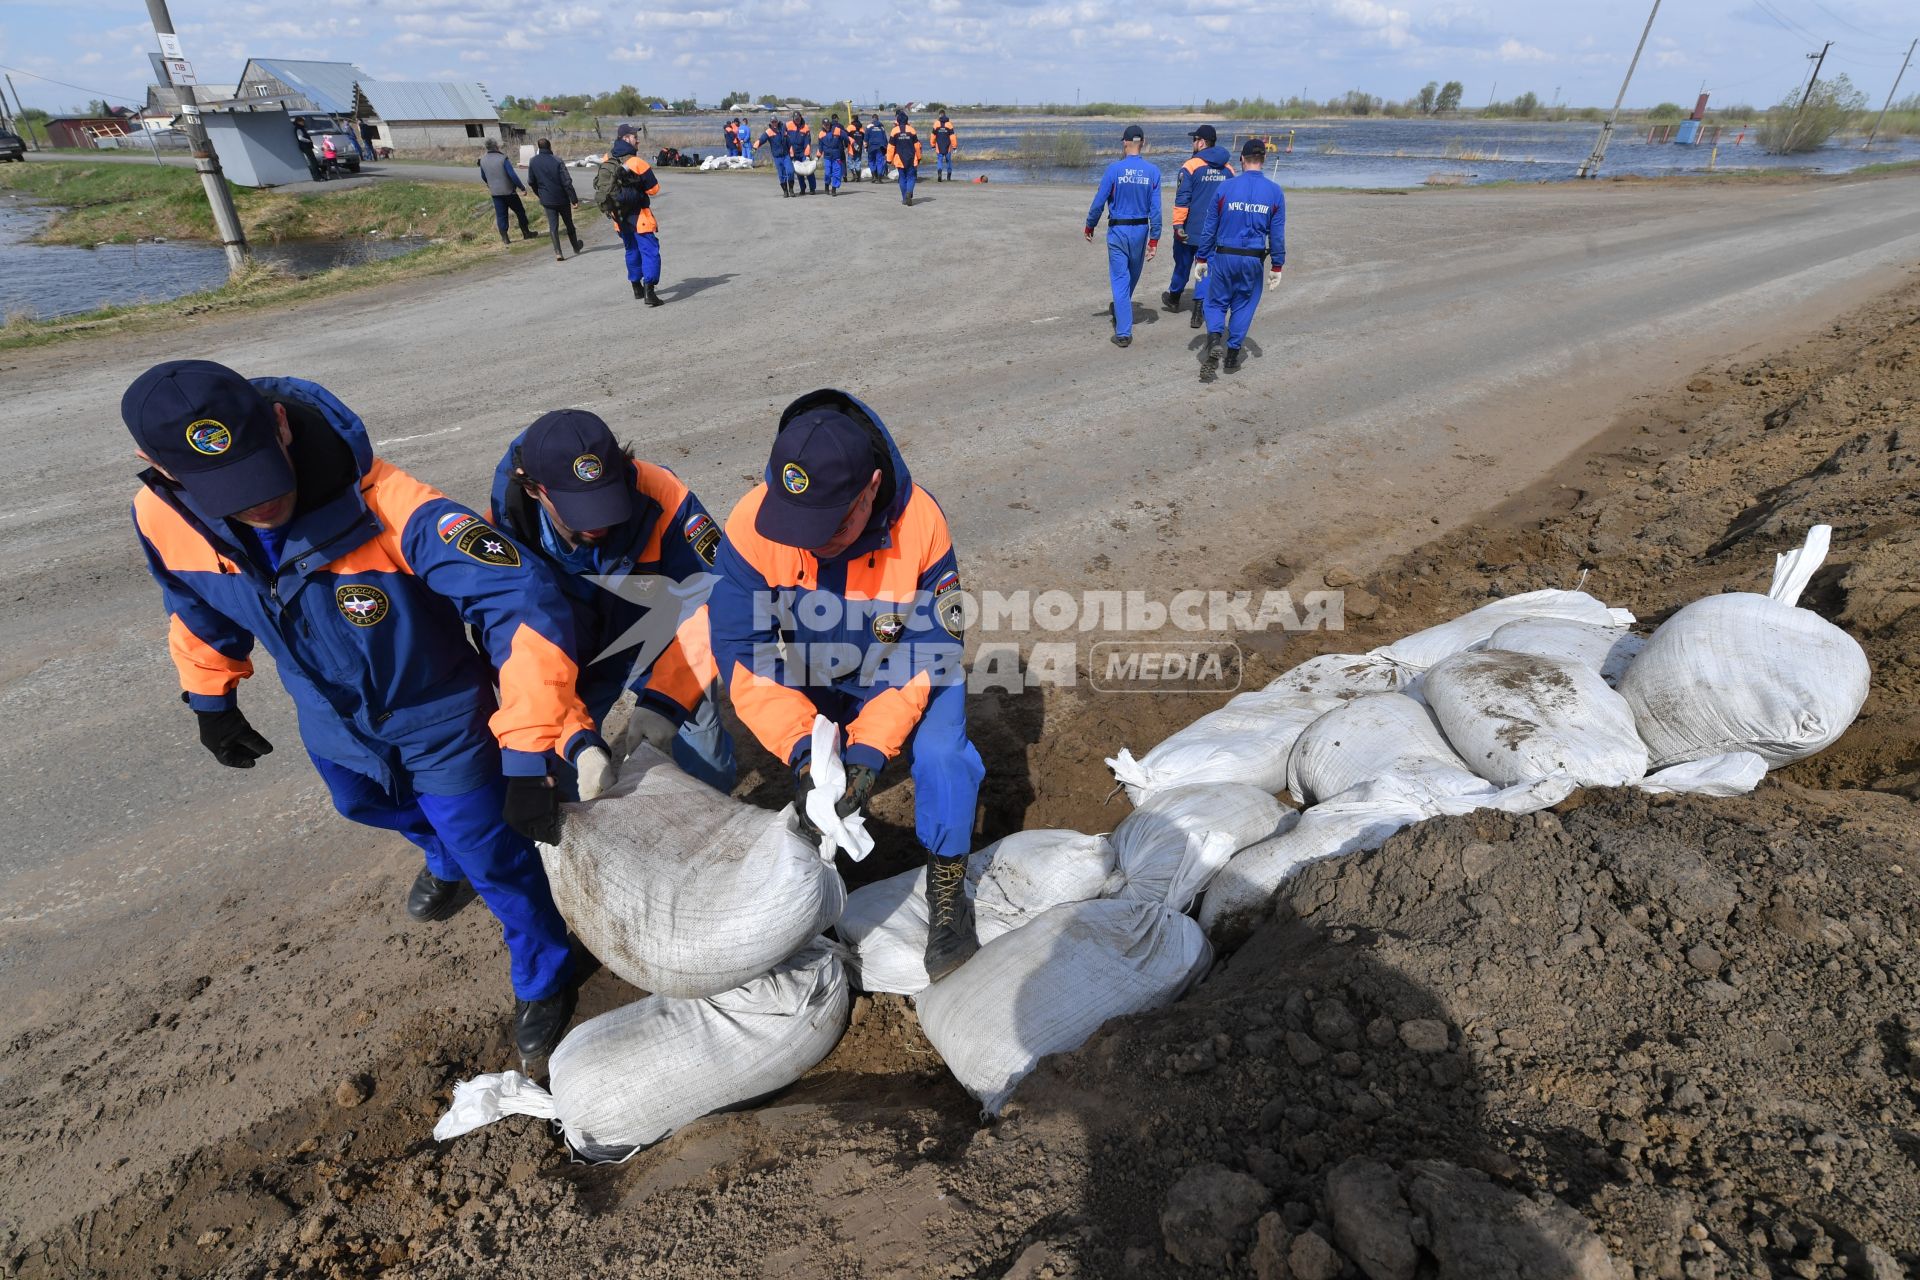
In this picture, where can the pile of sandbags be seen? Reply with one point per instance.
(633, 1075)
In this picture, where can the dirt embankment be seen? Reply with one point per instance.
(1634, 1036)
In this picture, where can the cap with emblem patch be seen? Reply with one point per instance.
(212, 431)
(572, 455)
(821, 461)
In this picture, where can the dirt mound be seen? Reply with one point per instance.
(1634, 1036)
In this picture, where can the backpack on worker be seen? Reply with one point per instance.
(615, 187)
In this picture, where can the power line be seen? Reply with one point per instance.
(1842, 21)
(1786, 24)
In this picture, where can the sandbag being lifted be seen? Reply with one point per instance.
(684, 891)
(1743, 672)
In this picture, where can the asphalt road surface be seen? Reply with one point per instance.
(1428, 354)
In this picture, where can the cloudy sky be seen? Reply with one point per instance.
(1170, 52)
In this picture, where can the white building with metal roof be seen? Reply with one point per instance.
(401, 114)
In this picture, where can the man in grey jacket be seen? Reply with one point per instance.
(553, 188)
(504, 185)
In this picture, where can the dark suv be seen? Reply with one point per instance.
(11, 148)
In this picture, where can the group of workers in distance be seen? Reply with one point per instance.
(802, 155)
(266, 517)
(1225, 223)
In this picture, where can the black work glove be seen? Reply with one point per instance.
(802, 788)
(860, 780)
(533, 808)
(233, 741)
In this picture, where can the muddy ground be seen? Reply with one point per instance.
(1633, 1036)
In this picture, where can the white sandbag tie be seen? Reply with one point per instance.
(848, 835)
(486, 1098)
(1793, 570)
(1732, 774)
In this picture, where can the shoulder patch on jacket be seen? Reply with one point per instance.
(475, 538)
(703, 535)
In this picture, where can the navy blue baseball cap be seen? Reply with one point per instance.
(1205, 134)
(820, 463)
(1133, 133)
(208, 428)
(573, 456)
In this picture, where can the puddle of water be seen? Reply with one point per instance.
(49, 281)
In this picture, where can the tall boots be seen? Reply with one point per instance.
(1198, 317)
(950, 935)
(653, 297)
(1210, 362)
(1170, 300)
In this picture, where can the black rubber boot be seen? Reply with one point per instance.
(653, 297)
(1199, 316)
(539, 1024)
(1122, 339)
(1170, 301)
(950, 936)
(1210, 362)
(432, 898)
(1235, 358)
(578, 247)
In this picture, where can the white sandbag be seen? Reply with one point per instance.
(805, 167)
(1247, 741)
(1377, 736)
(632, 1076)
(1239, 897)
(1745, 672)
(684, 891)
(838, 833)
(1607, 650)
(1341, 675)
(1421, 650)
(1151, 843)
(1733, 774)
(1050, 984)
(1516, 717)
(1010, 881)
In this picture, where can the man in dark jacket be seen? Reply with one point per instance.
(266, 518)
(833, 153)
(504, 185)
(877, 148)
(1200, 178)
(553, 187)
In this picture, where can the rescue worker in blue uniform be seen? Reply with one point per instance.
(775, 141)
(903, 153)
(800, 144)
(634, 551)
(1129, 195)
(1249, 223)
(856, 148)
(266, 516)
(1200, 178)
(945, 139)
(833, 153)
(839, 595)
(877, 149)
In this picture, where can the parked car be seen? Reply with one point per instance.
(345, 145)
(11, 147)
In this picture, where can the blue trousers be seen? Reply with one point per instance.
(943, 162)
(907, 177)
(812, 179)
(1234, 286)
(464, 838)
(1182, 264)
(836, 172)
(947, 770)
(783, 169)
(643, 253)
(877, 162)
(1126, 258)
(703, 748)
(510, 201)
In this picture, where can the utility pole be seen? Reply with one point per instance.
(1819, 60)
(1490, 93)
(1592, 166)
(21, 115)
(1889, 102)
(226, 219)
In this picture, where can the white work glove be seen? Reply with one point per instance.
(594, 768)
(648, 726)
(1199, 272)
(1273, 279)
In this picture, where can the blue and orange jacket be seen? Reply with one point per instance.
(833, 142)
(774, 139)
(729, 136)
(669, 535)
(1200, 179)
(1129, 192)
(876, 137)
(945, 137)
(799, 140)
(1249, 213)
(364, 615)
(880, 625)
(639, 206)
(903, 148)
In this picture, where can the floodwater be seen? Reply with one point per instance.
(1380, 152)
(49, 281)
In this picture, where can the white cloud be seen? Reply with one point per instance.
(1512, 50)
(635, 52)
(1386, 25)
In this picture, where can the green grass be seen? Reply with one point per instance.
(121, 203)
